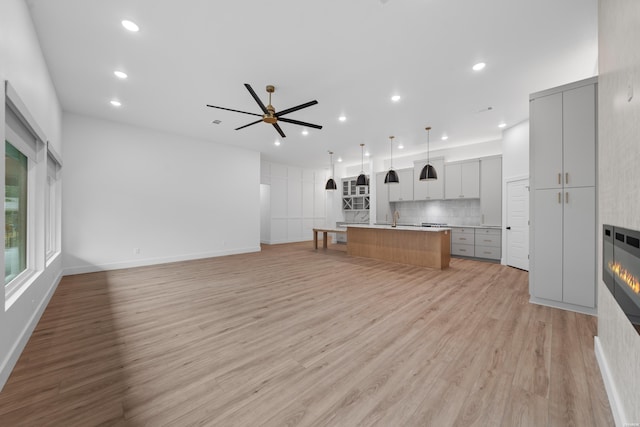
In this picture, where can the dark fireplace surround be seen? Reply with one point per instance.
(621, 269)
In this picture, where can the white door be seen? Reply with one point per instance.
(517, 224)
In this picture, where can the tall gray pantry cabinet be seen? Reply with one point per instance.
(563, 172)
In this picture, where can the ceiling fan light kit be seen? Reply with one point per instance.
(362, 180)
(392, 176)
(269, 114)
(428, 172)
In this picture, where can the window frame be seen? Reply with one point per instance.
(19, 125)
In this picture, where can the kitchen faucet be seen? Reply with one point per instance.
(396, 217)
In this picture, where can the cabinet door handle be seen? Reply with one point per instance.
(559, 178)
(566, 197)
(559, 197)
(566, 178)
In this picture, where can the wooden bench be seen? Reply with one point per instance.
(324, 232)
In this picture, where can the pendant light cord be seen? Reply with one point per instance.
(391, 161)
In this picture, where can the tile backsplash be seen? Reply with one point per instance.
(453, 212)
(356, 216)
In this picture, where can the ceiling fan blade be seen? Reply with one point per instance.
(298, 122)
(252, 92)
(275, 125)
(299, 107)
(237, 111)
(252, 123)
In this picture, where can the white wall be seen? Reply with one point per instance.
(618, 196)
(169, 196)
(515, 151)
(23, 65)
(298, 202)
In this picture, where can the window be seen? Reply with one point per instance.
(15, 212)
(24, 186)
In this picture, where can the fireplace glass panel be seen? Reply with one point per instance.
(621, 269)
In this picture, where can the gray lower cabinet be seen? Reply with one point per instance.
(462, 241)
(488, 243)
(483, 243)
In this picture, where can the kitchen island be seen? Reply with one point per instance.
(421, 246)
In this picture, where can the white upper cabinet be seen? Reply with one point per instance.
(491, 191)
(562, 127)
(546, 129)
(402, 191)
(462, 180)
(428, 190)
(579, 137)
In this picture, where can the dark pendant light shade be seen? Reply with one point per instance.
(331, 183)
(392, 176)
(428, 172)
(362, 180)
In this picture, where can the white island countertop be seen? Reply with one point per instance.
(399, 227)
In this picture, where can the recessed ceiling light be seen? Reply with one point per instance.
(305, 132)
(339, 159)
(400, 147)
(445, 137)
(501, 125)
(367, 154)
(130, 25)
(479, 66)
(120, 74)
(342, 118)
(395, 98)
(115, 103)
(277, 143)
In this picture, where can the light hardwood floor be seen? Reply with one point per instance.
(292, 336)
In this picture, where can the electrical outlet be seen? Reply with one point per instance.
(136, 251)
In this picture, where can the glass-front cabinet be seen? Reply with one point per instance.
(354, 198)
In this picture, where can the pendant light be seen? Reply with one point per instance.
(392, 176)
(428, 171)
(362, 180)
(331, 183)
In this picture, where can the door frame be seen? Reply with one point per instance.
(505, 202)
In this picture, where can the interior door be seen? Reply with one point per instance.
(517, 224)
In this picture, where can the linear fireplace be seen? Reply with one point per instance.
(621, 269)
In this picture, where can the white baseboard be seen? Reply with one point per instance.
(81, 269)
(612, 393)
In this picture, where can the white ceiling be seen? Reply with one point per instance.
(349, 55)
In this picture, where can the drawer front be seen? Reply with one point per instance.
(494, 240)
(486, 231)
(464, 239)
(464, 250)
(489, 252)
(462, 230)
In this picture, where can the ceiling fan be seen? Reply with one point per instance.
(270, 115)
